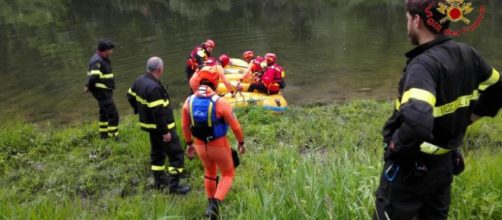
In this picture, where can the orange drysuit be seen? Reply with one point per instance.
(216, 153)
(218, 74)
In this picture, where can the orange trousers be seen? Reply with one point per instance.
(213, 158)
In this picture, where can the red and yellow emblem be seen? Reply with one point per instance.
(455, 10)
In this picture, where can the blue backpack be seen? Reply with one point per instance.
(205, 125)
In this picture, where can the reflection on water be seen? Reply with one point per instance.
(331, 49)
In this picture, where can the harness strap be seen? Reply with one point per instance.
(217, 179)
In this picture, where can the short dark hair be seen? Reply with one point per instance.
(105, 44)
(419, 7)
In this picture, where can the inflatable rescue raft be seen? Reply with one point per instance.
(234, 72)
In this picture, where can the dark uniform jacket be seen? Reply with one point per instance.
(150, 100)
(100, 74)
(442, 84)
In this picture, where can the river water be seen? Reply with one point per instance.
(331, 49)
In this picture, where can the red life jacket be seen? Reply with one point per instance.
(258, 65)
(192, 59)
(272, 77)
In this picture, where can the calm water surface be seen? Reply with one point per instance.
(331, 49)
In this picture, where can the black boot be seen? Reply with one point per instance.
(209, 208)
(161, 179)
(213, 209)
(103, 135)
(175, 187)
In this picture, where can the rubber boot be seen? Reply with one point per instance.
(209, 208)
(161, 179)
(175, 187)
(114, 136)
(103, 135)
(214, 207)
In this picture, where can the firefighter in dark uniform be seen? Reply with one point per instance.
(444, 88)
(150, 100)
(101, 84)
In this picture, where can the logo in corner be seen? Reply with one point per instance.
(455, 11)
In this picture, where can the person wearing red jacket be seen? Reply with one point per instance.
(272, 80)
(197, 57)
(212, 71)
(257, 66)
(205, 121)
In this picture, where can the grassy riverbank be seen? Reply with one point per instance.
(319, 162)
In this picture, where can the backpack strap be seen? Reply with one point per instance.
(215, 98)
(190, 108)
(211, 108)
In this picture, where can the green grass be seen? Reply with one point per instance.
(317, 162)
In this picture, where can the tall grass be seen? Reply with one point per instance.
(318, 162)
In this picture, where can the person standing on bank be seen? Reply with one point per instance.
(445, 87)
(150, 100)
(205, 121)
(101, 84)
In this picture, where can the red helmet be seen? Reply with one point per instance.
(209, 43)
(224, 60)
(248, 55)
(271, 58)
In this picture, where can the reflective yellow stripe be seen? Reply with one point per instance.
(154, 126)
(94, 72)
(139, 99)
(419, 94)
(174, 170)
(429, 148)
(163, 102)
(106, 76)
(103, 129)
(113, 134)
(158, 168)
(101, 85)
(103, 123)
(461, 102)
(112, 128)
(191, 111)
(171, 126)
(494, 78)
(209, 114)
